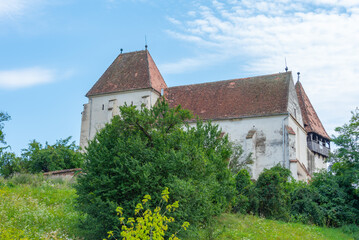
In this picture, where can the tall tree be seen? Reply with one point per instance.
(142, 151)
(345, 159)
(3, 117)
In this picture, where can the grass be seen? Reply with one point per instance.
(34, 207)
(247, 227)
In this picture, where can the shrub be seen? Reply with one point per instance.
(62, 155)
(338, 204)
(150, 224)
(10, 164)
(304, 205)
(141, 152)
(243, 183)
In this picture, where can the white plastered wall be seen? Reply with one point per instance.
(266, 145)
(101, 108)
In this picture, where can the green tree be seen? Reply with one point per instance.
(144, 150)
(345, 159)
(10, 164)
(273, 192)
(64, 154)
(3, 118)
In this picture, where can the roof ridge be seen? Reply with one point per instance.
(148, 69)
(229, 80)
(287, 96)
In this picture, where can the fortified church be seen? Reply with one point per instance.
(270, 116)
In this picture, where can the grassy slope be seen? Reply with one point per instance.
(40, 210)
(231, 226)
(32, 207)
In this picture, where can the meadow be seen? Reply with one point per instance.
(38, 207)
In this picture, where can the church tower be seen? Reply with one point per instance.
(318, 140)
(132, 78)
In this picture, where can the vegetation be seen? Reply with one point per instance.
(35, 207)
(152, 224)
(61, 155)
(64, 154)
(249, 227)
(142, 151)
(3, 118)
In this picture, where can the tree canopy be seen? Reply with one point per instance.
(144, 150)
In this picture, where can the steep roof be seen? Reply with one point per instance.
(311, 120)
(129, 71)
(254, 96)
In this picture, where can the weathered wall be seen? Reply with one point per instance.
(102, 108)
(265, 142)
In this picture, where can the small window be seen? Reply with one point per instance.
(295, 112)
(111, 104)
(103, 106)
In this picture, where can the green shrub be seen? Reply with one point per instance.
(336, 200)
(243, 183)
(273, 196)
(304, 205)
(64, 154)
(149, 224)
(142, 151)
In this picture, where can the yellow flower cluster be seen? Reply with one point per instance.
(150, 225)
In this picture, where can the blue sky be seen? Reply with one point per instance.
(52, 52)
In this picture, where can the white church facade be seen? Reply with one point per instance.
(270, 116)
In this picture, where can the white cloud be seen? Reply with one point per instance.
(20, 78)
(318, 38)
(14, 8)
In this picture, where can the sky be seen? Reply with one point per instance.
(53, 51)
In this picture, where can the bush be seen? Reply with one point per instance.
(243, 184)
(149, 224)
(336, 200)
(273, 195)
(304, 205)
(10, 164)
(141, 152)
(62, 155)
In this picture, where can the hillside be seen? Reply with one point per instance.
(34, 207)
(231, 226)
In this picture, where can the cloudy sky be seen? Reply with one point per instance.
(53, 51)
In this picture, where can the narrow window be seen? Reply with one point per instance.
(103, 106)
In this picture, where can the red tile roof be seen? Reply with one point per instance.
(311, 120)
(129, 71)
(254, 96)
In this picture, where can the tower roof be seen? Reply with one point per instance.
(129, 71)
(311, 120)
(254, 96)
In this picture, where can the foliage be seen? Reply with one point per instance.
(152, 224)
(243, 186)
(272, 191)
(345, 159)
(62, 155)
(142, 151)
(305, 206)
(3, 118)
(338, 204)
(10, 164)
(36, 207)
(268, 197)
